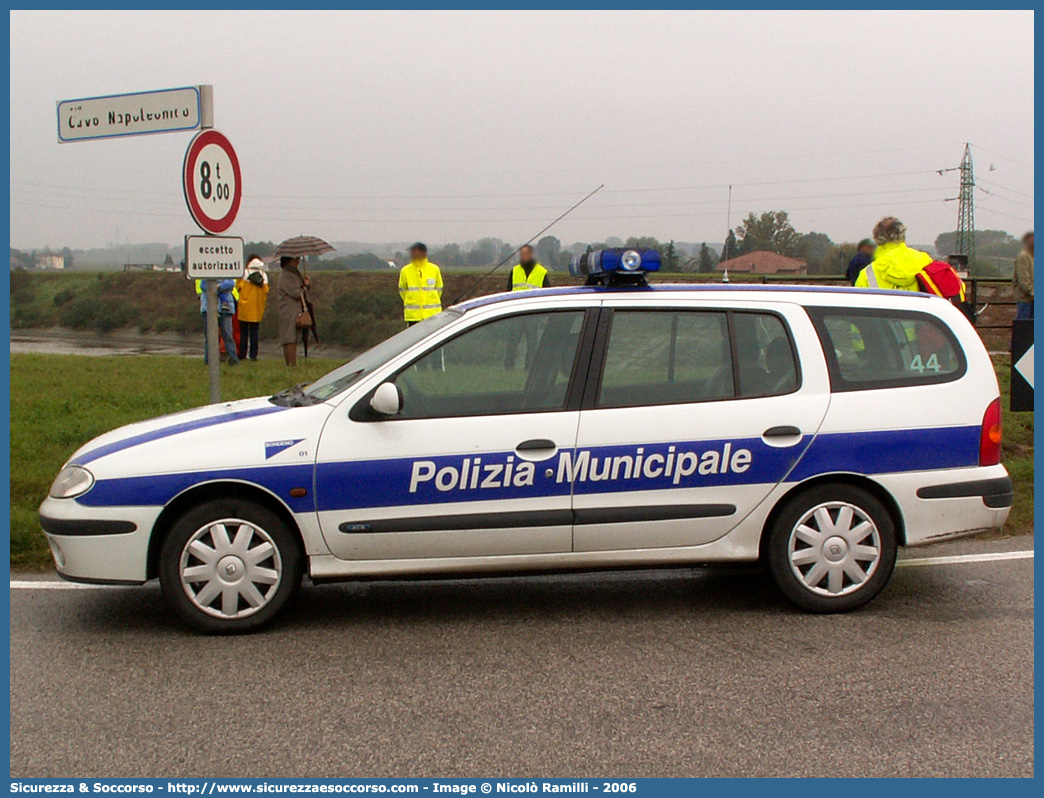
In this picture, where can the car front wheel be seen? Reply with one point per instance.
(832, 548)
(229, 566)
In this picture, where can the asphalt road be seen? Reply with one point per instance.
(694, 672)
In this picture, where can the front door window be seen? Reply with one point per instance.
(520, 364)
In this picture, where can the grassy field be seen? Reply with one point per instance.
(58, 402)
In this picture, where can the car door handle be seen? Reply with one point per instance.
(535, 445)
(781, 432)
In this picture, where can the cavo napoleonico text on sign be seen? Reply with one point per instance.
(136, 114)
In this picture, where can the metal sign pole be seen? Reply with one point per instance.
(213, 350)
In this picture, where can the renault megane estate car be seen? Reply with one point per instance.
(813, 429)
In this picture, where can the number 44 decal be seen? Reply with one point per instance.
(931, 365)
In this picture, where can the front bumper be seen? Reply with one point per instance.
(104, 544)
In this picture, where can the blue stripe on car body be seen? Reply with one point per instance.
(157, 490)
(890, 451)
(362, 484)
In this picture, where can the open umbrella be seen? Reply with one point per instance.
(301, 247)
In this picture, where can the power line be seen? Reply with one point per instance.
(720, 186)
(282, 207)
(1001, 155)
(997, 186)
(671, 165)
(246, 215)
(1003, 198)
(1002, 213)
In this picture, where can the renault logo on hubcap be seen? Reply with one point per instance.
(835, 549)
(230, 569)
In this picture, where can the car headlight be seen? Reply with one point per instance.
(72, 481)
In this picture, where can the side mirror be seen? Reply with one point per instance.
(386, 400)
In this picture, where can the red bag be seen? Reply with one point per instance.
(939, 278)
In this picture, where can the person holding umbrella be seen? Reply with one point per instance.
(295, 312)
(291, 295)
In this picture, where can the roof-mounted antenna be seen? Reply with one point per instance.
(728, 233)
(529, 241)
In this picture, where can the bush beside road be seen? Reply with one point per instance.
(354, 310)
(59, 402)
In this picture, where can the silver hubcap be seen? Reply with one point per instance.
(834, 549)
(230, 568)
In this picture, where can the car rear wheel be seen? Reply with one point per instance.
(229, 566)
(832, 548)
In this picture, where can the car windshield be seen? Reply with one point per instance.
(355, 369)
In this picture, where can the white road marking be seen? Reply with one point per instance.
(963, 558)
(956, 559)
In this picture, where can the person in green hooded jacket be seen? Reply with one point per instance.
(895, 265)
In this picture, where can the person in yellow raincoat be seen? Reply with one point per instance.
(253, 295)
(895, 265)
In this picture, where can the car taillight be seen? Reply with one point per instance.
(990, 437)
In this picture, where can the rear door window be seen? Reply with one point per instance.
(764, 355)
(868, 349)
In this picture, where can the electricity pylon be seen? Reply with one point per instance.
(966, 209)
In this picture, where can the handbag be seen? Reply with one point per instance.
(304, 318)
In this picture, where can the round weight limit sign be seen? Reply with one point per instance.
(212, 182)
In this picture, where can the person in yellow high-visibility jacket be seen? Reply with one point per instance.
(528, 273)
(420, 286)
(895, 265)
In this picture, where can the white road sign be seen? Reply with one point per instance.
(213, 257)
(140, 114)
(1025, 366)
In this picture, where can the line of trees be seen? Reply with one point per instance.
(771, 230)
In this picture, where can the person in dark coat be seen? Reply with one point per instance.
(864, 257)
(290, 293)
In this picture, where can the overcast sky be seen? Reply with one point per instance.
(453, 126)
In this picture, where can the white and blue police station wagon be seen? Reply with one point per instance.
(608, 426)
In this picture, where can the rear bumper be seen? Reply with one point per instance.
(938, 506)
(995, 493)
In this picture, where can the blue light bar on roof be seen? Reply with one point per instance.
(615, 261)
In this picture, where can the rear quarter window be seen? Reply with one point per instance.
(880, 348)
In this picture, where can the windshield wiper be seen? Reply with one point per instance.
(293, 397)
